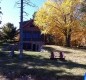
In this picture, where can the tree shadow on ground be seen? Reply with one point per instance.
(13, 67)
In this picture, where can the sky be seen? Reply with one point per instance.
(11, 12)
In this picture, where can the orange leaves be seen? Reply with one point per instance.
(59, 18)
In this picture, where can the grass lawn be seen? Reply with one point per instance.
(40, 67)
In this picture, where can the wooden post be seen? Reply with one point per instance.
(52, 56)
(21, 30)
(62, 57)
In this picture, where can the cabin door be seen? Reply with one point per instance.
(34, 47)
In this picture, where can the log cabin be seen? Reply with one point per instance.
(32, 37)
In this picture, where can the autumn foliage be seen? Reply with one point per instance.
(64, 21)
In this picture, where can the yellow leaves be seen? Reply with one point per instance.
(53, 15)
(69, 5)
(41, 18)
(66, 6)
(60, 19)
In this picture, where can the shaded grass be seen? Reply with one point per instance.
(38, 64)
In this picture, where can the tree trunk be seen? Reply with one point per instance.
(68, 39)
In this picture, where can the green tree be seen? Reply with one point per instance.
(9, 31)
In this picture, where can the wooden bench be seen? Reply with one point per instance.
(57, 55)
